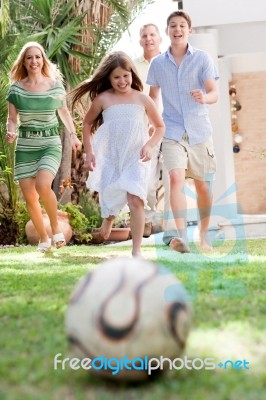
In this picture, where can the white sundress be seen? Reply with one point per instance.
(119, 170)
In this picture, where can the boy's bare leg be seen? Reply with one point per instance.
(179, 206)
(204, 203)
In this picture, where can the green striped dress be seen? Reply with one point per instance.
(38, 145)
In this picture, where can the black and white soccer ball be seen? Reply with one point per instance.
(127, 307)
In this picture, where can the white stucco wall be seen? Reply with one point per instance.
(240, 24)
(242, 38)
(247, 62)
(217, 12)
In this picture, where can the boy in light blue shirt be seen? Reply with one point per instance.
(186, 78)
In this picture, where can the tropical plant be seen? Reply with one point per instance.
(122, 220)
(21, 217)
(78, 222)
(10, 44)
(56, 25)
(4, 17)
(9, 193)
(90, 207)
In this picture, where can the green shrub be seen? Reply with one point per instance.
(91, 209)
(122, 220)
(21, 218)
(78, 222)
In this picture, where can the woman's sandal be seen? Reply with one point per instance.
(59, 240)
(44, 247)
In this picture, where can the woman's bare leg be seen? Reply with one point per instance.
(32, 201)
(43, 184)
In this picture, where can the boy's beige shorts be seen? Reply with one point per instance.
(199, 160)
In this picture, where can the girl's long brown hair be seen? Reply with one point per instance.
(100, 82)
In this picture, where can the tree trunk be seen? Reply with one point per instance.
(64, 172)
(78, 176)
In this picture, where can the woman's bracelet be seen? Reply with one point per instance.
(73, 133)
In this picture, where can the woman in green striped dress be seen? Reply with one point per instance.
(35, 97)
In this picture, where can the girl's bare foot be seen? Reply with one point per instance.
(106, 227)
(204, 245)
(137, 254)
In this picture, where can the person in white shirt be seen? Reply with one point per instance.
(150, 40)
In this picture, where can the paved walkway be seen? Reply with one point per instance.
(157, 238)
(243, 227)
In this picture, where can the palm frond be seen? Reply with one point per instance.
(5, 19)
(9, 199)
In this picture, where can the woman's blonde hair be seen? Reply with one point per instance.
(19, 72)
(100, 81)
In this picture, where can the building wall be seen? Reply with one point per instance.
(242, 38)
(219, 12)
(250, 162)
(240, 24)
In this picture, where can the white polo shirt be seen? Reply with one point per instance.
(142, 66)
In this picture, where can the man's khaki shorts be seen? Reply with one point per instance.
(199, 160)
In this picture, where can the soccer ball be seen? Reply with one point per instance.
(125, 316)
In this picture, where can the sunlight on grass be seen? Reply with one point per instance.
(256, 258)
(235, 340)
(59, 270)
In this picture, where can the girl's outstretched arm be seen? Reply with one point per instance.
(159, 128)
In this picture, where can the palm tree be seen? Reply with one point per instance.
(4, 17)
(8, 189)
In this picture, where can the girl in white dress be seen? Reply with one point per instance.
(118, 154)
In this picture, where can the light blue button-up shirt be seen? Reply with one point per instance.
(180, 111)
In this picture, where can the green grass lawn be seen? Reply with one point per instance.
(227, 290)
